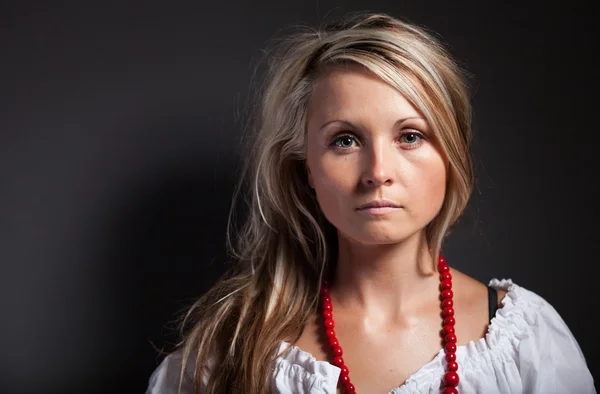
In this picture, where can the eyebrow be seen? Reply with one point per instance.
(350, 124)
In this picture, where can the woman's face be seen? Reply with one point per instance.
(368, 145)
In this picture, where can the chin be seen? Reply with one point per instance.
(381, 235)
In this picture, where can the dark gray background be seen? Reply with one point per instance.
(119, 130)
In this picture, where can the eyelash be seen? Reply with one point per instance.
(420, 136)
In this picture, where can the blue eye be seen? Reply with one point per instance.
(344, 141)
(411, 138)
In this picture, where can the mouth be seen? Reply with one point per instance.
(378, 208)
(378, 204)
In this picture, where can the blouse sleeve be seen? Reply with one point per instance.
(165, 378)
(551, 360)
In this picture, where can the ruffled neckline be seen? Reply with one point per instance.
(505, 331)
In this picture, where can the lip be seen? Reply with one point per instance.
(378, 208)
(377, 204)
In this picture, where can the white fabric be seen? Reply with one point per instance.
(528, 349)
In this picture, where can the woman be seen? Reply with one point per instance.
(361, 165)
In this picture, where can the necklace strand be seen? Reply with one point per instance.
(450, 380)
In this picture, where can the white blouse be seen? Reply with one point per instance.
(528, 349)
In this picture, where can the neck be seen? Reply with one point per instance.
(384, 280)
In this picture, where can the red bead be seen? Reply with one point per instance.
(344, 379)
(344, 371)
(449, 321)
(448, 329)
(337, 351)
(450, 347)
(328, 323)
(447, 311)
(338, 361)
(450, 338)
(447, 302)
(446, 284)
(445, 276)
(451, 379)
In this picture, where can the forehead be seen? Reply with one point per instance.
(351, 91)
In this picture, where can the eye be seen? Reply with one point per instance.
(412, 138)
(344, 141)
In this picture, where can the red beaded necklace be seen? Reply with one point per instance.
(450, 378)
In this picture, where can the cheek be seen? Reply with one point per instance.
(331, 182)
(329, 173)
(429, 186)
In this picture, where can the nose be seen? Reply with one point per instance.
(378, 165)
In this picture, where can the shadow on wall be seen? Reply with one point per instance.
(166, 246)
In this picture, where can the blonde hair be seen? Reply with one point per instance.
(286, 247)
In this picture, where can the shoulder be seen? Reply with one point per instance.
(167, 375)
(528, 313)
(472, 291)
(472, 307)
(539, 337)
(536, 312)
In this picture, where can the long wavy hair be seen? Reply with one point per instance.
(286, 247)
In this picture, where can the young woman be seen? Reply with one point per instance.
(361, 164)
